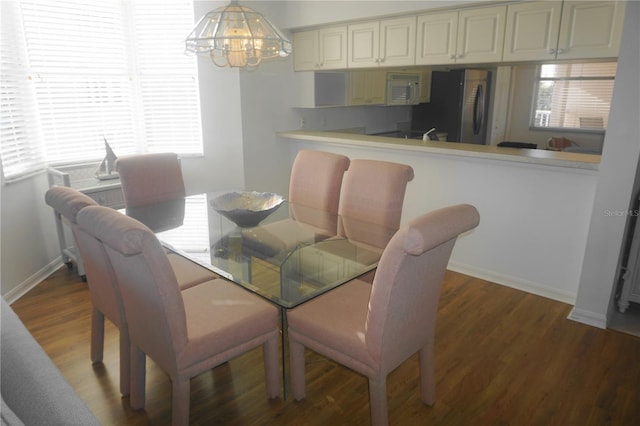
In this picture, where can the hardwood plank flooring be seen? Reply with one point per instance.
(503, 357)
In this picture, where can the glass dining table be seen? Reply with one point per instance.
(292, 256)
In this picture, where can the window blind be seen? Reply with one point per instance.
(19, 129)
(111, 69)
(574, 96)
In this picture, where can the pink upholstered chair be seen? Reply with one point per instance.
(105, 297)
(373, 192)
(314, 194)
(150, 178)
(372, 329)
(185, 333)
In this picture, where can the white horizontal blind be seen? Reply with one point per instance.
(166, 74)
(576, 96)
(108, 69)
(80, 64)
(19, 130)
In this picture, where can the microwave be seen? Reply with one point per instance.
(403, 88)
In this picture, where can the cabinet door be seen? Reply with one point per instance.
(590, 29)
(367, 87)
(425, 86)
(333, 48)
(364, 45)
(398, 41)
(305, 50)
(437, 34)
(532, 31)
(481, 34)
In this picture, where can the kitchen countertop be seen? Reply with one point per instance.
(530, 156)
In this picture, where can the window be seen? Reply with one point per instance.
(573, 96)
(77, 72)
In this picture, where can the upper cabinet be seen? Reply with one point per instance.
(517, 31)
(367, 87)
(563, 30)
(590, 29)
(322, 49)
(461, 37)
(389, 42)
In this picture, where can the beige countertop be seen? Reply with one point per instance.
(530, 156)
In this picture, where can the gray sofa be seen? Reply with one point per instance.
(34, 392)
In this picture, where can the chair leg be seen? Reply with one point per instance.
(138, 377)
(427, 379)
(271, 369)
(97, 335)
(181, 397)
(378, 401)
(296, 358)
(125, 363)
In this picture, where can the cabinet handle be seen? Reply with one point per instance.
(452, 56)
(551, 51)
(560, 51)
(382, 60)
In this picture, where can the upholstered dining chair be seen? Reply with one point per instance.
(184, 332)
(105, 297)
(372, 329)
(314, 194)
(373, 192)
(100, 280)
(150, 178)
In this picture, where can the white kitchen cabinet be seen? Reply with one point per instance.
(563, 30)
(367, 87)
(322, 49)
(466, 36)
(389, 42)
(590, 29)
(437, 35)
(532, 31)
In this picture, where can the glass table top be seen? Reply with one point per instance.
(293, 255)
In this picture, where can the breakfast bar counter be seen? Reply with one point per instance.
(531, 156)
(533, 230)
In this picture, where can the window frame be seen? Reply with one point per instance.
(143, 66)
(536, 94)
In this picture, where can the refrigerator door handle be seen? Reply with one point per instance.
(478, 110)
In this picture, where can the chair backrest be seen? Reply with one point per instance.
(406, 287)
(373, 192)
(150, 178)
(150, 292)
(100, 277)
(316, 179)
(67, 201)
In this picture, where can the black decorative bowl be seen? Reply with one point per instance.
(246, 208)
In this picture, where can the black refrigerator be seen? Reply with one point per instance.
(459, 106)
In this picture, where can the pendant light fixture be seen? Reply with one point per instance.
(237, 36)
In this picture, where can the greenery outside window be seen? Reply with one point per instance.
(574, 96)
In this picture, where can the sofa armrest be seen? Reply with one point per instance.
(32, 386)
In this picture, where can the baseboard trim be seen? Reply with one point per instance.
(588, 317)
(35, 279)
(514, 282)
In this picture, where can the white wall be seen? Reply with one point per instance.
(615, 185)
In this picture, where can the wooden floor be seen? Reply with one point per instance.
(503, 357)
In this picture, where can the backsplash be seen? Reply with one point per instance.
(371, 119)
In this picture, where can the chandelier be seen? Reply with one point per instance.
(237, 36)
